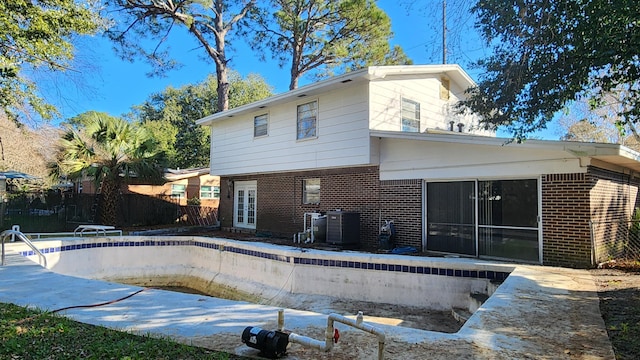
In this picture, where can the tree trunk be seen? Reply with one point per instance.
(110, 202)
(223, 87)
(221, 58)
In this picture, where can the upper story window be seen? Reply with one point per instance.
(307, 120)
(209, 192)
(311, 191)
(410, 115)
(179, 191)
(260, 125)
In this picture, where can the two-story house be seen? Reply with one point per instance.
(385, 142)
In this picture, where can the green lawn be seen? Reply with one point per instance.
(27, 334)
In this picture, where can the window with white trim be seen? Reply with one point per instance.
(260, 125)
(410, 115)
(179, 191)
(209, 192)
(311, 191)
(307, 120)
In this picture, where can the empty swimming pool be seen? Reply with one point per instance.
(268, 271)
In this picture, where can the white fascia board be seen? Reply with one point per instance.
(453, 71)
(174, 174)
(616, 153)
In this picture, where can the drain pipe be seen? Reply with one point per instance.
(332, 334)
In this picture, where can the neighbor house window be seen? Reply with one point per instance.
(260, 125)
(179, 191)
(311, 191)
(209, 192)
(410, 115)
(307, 120)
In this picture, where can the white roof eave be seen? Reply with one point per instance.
(611, 153)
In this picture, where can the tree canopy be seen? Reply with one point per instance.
(209, 22)
(549, 53)
(587, 122)
(324, 36)
(171, 115)
(37, 36)
(109, 150)
(19, 142)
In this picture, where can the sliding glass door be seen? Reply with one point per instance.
(508, 219)
(451, 217)
(484, 218)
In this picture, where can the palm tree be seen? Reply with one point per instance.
(111, 151)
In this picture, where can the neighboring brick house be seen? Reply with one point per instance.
(185, 185)
(181, 185)
(384, 142)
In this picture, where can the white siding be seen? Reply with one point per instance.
(435, 113)
(410, 159)
(342, 129)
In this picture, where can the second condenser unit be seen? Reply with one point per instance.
(343, 228)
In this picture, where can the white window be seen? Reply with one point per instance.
(307, 120)
(179, 191)
(209, 192)
(311, 191)
(260, 125)
(410, 115)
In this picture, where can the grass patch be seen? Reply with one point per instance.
(28, 334)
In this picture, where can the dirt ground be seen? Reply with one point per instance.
(619, 293)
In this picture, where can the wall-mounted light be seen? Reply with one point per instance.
(229, 184)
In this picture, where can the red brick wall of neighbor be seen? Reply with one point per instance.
(614, 196)
(192, 189)
(565, 220)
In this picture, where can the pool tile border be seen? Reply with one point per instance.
(326, 263)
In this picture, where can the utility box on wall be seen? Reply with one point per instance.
(343, 228)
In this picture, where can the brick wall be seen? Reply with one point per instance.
(401, 201)
(565, 218)
(614, 197)
(570, 202)
(280, 209)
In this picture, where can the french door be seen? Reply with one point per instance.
(245, 204)
(484, 218)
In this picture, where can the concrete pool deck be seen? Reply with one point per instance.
(538, 313)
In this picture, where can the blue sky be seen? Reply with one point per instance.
(112, 85)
